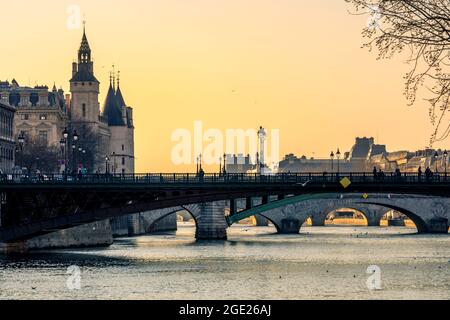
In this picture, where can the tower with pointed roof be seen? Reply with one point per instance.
(84, 112)
(106, 133)
(120, 123)
(84, 86)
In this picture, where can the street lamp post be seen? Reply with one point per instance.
(66, 149)
(62, 144)
(21, 140)
(80, 158)
(224, 164)
(435, 162)
(332, 161)
(107, 164)
(338, 156)
(115, 164)
(83, 158)
(74, 161)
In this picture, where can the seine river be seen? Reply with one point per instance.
(319, 263)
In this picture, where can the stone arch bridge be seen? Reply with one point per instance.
(31, 207)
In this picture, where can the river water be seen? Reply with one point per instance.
(255, 263)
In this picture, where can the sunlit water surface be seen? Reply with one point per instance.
(255, 263)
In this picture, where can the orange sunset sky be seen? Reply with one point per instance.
(294, 65)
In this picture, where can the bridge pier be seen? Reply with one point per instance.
(290, 226)
(17, 247)
(318, 220)
(437, 225)
(260, 220)
(211, 222)
(372, 213)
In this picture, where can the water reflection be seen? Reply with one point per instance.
(255, 263)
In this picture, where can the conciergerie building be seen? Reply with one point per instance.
(105, 134)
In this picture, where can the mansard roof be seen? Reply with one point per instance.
(112, 109)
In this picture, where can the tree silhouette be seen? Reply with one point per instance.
(36, 155)
(421, 27)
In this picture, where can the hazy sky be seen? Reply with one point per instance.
(294, 65)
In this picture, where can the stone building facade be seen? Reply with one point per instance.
(7, 145)
(40, 113)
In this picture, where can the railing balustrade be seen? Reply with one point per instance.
(230, 178)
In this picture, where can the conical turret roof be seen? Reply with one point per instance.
(112, 109)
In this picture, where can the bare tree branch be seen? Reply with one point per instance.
(421, 27)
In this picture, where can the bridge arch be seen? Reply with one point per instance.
(371, 213)
(151, 218)
(421, 225)
(289, 214)
(339, 209)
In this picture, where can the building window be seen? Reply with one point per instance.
(43, 117)
(123, 161)
(123, 171)
(43, 137)
(24, 117)
(123, 147)
(84, 110)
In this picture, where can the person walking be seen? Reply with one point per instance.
(428, 173)
(375, 173)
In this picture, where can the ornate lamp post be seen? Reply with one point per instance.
(83, 156)
(338, 156)
(80, 157)
(224, 164)
(75, 135)
(115, 165)
(66, 149)
(62, 144)
(435, 162)
(107, 164)
(332, 161)
(74, 154)
(21, 140)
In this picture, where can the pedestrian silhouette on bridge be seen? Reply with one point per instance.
(398, 174)
(380, 174)
(375, 173)
(428, 173)
(419, 174)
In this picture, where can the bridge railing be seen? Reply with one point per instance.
(212, 178)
